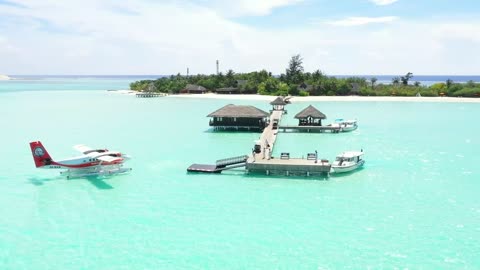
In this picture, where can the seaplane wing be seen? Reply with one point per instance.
(83, 148)
(109, 159)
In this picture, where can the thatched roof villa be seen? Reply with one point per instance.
(194, 89)
(239, 117)
(278, 104)
(310, 116)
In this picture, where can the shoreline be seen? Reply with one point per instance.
(332, 98)
(257, 97)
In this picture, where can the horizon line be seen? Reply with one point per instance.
(353, 75)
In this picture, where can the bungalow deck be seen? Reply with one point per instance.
(320, 129)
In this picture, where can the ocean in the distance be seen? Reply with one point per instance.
(415, 205)
(121, 82)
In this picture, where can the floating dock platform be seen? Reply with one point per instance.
(289, 167)
(220, 165)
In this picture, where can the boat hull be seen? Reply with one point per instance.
(348, 128)
(348, 168)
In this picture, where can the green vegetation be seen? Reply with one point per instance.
(299, 83)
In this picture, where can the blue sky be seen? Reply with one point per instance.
(167, 36)
(303, 12)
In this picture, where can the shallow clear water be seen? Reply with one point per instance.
(62, 83)
(414, 205)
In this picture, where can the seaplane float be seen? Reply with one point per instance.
(91, 162)
(347, 162)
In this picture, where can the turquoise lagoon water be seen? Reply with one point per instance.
(414, 206)
(62, 83)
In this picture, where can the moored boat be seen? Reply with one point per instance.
(345, 125)
(347, 162)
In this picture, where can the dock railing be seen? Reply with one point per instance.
(230, 161)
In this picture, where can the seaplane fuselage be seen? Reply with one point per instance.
(91, 159)
(79, 162)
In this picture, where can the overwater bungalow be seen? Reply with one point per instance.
(278, 104)
(193, 89)
(239, 117)
(310, 116)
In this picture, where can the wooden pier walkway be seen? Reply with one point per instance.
(269, 136)
(263, 162)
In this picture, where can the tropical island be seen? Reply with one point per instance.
(296, 82)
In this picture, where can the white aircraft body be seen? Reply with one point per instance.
(91, 162)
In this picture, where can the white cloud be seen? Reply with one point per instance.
(355, 21)
(457, 31)
(383, 2)
(6, 46)
(92, 37)
(251, 7)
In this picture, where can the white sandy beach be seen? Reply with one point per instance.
(4, 77)
(330, 98)
(315, 98)
(124, 92)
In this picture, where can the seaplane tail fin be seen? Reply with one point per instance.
(40, 154)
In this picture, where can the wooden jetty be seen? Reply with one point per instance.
(263, 162)
(261, 159)
(149, 95)
(269, 136)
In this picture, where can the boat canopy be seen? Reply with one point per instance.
(350, 154)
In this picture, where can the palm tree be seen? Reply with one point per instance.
(396, 81)
(373, 80)
(449, 83)
(406, 78)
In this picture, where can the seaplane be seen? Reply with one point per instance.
(91, 162)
